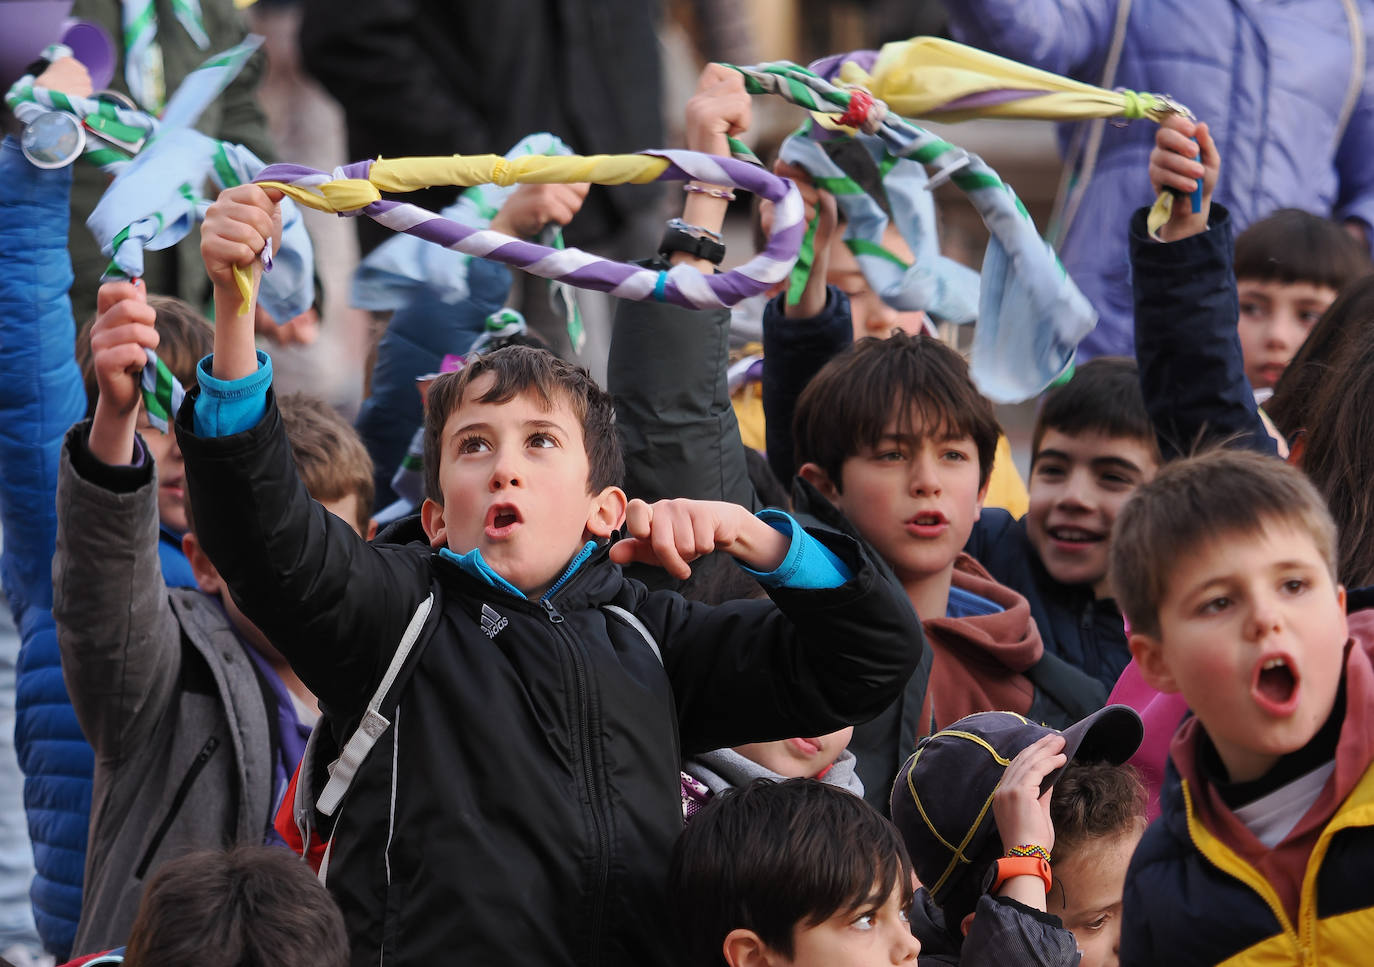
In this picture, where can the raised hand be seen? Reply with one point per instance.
(123, 330)
(1177, 143)
(236, 229)
(817, 204)
(531, 207)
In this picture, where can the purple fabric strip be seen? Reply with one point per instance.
(988, 99)
(600, 274)
(829, 67)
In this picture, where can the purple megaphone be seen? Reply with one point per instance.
(28, 27)
(93, 47)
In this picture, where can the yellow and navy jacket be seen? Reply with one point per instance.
(1190, 898)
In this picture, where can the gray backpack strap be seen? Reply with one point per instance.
(637, 625)
(374, 723)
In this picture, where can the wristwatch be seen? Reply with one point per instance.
(1009, 866)
(696, 241)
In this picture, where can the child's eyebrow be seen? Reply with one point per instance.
(470, 428)
(1103, 463)
(1097, 463)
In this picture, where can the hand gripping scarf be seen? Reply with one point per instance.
(1030, 314)
(160, 168)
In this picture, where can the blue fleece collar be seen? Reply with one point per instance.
(474, 565)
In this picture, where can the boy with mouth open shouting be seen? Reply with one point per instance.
(1225, 568)
(522, 796)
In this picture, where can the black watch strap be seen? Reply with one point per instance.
(677, 240)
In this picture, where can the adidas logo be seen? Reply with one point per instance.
(492, 623)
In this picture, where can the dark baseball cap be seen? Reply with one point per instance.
(942, 797)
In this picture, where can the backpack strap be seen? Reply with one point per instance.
(634, 622)
(374, 723)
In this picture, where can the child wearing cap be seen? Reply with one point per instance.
(973, 804)
(1261, 853)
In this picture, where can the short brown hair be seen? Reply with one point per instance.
(1103, 396)
(248, 906)
(1094, 800)
(916, 379)
(525, 369)
(185, 337)
(330, 457)
(1202, 498)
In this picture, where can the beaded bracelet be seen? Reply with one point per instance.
(722, 193)
(1030, 849)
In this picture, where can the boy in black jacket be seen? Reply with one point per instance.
(523, 797)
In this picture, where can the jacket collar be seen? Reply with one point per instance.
(590, 579)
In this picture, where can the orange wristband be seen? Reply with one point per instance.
(1009, 866)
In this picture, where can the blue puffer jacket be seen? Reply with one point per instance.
(41, 395)
(1269, 78)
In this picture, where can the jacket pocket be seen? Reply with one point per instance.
(197, 766)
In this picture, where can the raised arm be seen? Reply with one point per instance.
(333, 604)
(794, 350)
(668, 366)
(121, 648)
(1191, 369)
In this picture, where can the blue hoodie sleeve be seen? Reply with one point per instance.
(225, 407)
(808, 565)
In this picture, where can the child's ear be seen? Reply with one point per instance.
(206, 575)
(817, 477)
(983, 492)
(607, 513)
(372, 527)
(432, 520)
(1149, 658)
(744, 948)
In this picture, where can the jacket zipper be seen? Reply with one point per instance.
(202, 757)
(588, 773)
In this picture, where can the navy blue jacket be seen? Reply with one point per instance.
(1085, 631)
(1192, 373)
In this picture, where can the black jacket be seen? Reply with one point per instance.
(522, 806)
(668, 375)
(435, 77)
(1085, 631)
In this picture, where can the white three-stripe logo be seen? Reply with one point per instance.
(492, 623)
